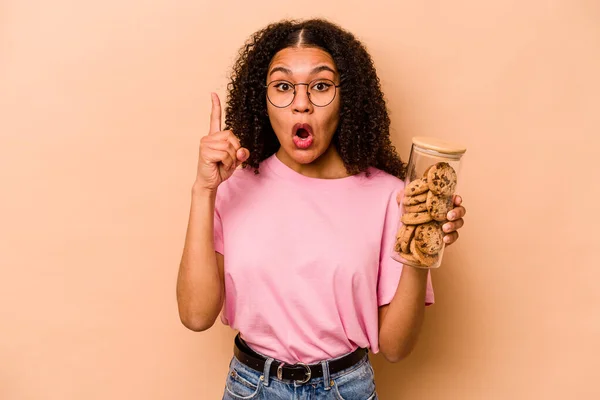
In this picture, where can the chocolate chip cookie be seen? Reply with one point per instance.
(405, 235)
(416, 218)
(438, 206)
(417, 186)
(412, 200)
(416, 208)
(423, 258)
(441, 179)
(429, 238)
(409, 257)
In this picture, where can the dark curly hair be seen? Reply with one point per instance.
(362, 137)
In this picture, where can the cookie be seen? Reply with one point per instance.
(417, 186)
(397, 248)
(405, 235)
(425, 259)
(416, 218)
(429, 238)
(427, 171)
(408, 257)
(412, 200)
(441, 179)
(416, 208)
(438, 206)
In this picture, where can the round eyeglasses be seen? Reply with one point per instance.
(321, 92)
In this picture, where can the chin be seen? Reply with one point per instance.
(304, 156)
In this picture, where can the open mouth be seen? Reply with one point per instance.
(303, 136)
(303, 133)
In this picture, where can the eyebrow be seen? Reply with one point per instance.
(314, 71)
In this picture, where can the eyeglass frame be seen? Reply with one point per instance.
(307, 92)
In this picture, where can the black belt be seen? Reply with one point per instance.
(299, 372)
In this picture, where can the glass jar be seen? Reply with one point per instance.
(429, 188)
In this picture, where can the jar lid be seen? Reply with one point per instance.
(439, 145)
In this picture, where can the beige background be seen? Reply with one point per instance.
(102, 106)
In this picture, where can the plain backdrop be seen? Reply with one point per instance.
(103, 104)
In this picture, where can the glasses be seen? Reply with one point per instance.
(321, 92)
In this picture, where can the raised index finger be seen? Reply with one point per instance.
(215, 114)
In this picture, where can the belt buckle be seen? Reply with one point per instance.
(308, 372)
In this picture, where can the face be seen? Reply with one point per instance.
(304, 130)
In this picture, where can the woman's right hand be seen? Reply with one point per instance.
(220, 152)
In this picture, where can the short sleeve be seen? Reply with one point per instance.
(390, 270)
(218, 229)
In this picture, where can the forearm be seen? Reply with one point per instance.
(199, 284)
(400, 322)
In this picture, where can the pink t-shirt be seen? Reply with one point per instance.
(307, 260)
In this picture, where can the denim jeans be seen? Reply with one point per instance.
(353, 383)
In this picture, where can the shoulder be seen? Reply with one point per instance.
(378, 191)
(383, 181)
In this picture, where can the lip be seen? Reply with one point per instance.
(304, 126)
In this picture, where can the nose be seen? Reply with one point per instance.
(301, 103)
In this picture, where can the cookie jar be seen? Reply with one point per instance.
(430, 185)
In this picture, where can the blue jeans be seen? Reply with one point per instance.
(353, 383)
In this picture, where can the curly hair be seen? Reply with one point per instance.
(362, 137)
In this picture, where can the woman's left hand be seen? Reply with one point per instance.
(455, 221)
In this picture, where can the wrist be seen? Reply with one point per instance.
(418, 272)
(201, 191)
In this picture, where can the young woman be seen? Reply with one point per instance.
(294, 247)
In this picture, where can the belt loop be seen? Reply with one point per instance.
(326, 379)
(267, 371)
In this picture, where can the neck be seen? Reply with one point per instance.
(328, 165)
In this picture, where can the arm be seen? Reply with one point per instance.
(200, 282)
(400, 321)
(200, 285)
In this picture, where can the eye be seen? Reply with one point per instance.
(284, 86)
(321, 86)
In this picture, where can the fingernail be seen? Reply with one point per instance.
(446, 227)
(446, 239)
(451, 215)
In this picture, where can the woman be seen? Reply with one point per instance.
(294, 246)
